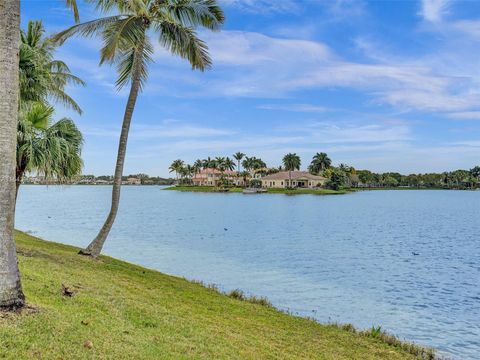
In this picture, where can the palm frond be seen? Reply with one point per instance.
(184, 42)
(123, 33)
(63, 98)
(87, 29)
(193, 13)
(72, 4)
(139, 55)
(38, 115)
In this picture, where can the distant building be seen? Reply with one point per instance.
(300, 179)
(133, 181)
(212, 177)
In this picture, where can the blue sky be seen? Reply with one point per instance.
(383, 85)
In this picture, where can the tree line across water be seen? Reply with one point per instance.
(338, 177)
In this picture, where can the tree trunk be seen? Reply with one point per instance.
(95, 247)
(11, 295)
(18, 181)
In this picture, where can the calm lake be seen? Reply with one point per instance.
(408, 261)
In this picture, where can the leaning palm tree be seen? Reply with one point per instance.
(291, 162)
(11, 295)
(238, 156)
(49, 148)
(126, 43)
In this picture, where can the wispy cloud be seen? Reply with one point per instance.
(434, 10)
(465, 115)
(294, 107)
(264, 6)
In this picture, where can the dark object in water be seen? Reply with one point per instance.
(415, 253)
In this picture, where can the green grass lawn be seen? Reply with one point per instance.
(124, 311)
(269, 190)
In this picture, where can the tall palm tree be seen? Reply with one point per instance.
(11, 295)
(320, 162)
(127, 44)
(238, 156)
(291, 162)
(50, 149)
(177, 166)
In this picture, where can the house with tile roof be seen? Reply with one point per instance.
(212, 177)
(300, 179)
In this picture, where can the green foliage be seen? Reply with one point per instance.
(51, 149)
(43, 78)
(337, 179)
(320, 162)
(376, 331)
(291, 162)
(125, 35)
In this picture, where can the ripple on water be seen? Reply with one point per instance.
(341, 258)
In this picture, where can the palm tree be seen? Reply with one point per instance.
(238, 156)
(50, 149)
(229, 164)
(197, 165)
(11, 295)
(127, 44)
(320, 162)
(177, 166)
(43, 78)
(208, 163)
(291, 162)
(220, 164)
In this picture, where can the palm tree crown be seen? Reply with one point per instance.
(238, 156)
(320, 162)
(43, 78)
(48, 148)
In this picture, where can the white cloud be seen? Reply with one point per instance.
(434, 10)
(294, 107)
(465, 115)
(168, 129)
(263, 6)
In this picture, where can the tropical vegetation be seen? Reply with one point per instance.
(125, 31)
(52, 149)
(291, 162)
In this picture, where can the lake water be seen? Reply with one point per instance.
(347, 258)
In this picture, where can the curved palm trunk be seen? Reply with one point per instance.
(95, 247)
(11, 295)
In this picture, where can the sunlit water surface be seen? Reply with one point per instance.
(347, 258)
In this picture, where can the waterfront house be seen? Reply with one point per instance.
(212, 177)
(300, 179)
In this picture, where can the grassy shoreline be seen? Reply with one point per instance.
(269, 190)
(123, 311)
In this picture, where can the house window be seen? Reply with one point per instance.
(282, 183)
